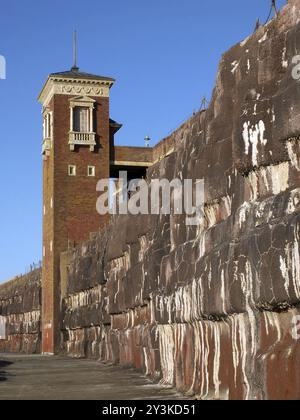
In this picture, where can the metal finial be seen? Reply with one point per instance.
(75, 68)
(147, 141)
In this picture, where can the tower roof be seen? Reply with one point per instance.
(74, 82)
(75, 73)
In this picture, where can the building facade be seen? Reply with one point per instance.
(78, 150)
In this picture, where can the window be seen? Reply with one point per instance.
(81, 120)
(47, 126)
(91, 171)
(72, 170)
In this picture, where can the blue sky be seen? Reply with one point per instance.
(163, 53)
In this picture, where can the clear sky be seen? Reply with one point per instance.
(163, 53)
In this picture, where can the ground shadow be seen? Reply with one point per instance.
(3, 373)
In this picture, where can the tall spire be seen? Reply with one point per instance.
(75, 68)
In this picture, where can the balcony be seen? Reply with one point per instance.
(46, 146)
(82, 139)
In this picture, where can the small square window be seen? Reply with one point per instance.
(91, 171)
(72, 170)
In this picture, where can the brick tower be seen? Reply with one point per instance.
(77, 144)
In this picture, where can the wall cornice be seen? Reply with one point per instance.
(74, 86)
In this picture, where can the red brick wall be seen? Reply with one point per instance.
(133, 154)
(74, 214)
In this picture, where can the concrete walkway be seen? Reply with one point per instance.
(57, 378)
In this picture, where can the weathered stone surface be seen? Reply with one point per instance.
(210, 309)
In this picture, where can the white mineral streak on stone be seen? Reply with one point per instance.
(273, 115)
(213, 213)
(264, 38)
(243, 43)
(210, 215)
(292, 155)
(248, 64)
(118, 290)
(294, 200)
(160, 305)
(148, 370)
(285, 63)
(280, 177)
(254, 134)
(197, 299)
(234, 65)
(266, 323)
(244, 328)
(253, 182)
(294, 262)
(262, 129)
(25, 323)
(243, 213)
(265, 178)
(144, 245)
(276, 325)
(240, 349)
(187, 306)
(169, 309)
(275, 179)
(247, 286)
(235, 348)
(131, 318)
(254, 141)
(285, 274)
(167, 353)
(246, 138)
(291, 207)
(209, 277)
(261, 216)
(217, 356)
(198, 334)
(205, 350)
(202, 246)
(121, 263)
(223, 293)
(227, 200)
(88, 297)
(152, 309)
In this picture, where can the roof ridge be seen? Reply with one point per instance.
(80, 75)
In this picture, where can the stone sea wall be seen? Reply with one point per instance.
(210, 308)
(20, 304)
